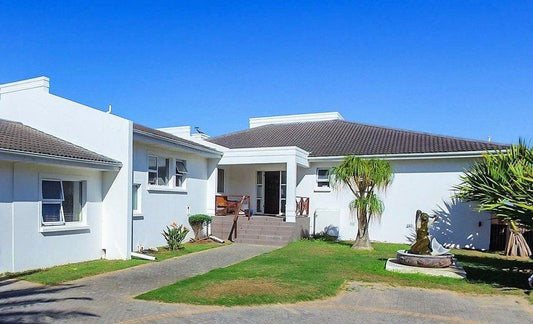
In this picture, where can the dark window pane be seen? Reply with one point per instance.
(284, 177)
(51, 213)
(51, 189)
(283, 206)
(220, 180)
(258, 204)
(152, 178)
(259, 177)
(283, 191)
(68, 202)
(180, 167)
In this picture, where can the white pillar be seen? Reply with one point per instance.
(212, 174)
(290, 206)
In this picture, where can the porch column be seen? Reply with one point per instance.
(290, 204)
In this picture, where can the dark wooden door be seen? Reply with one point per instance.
(272, 192)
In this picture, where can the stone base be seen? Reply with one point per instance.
(455, 271)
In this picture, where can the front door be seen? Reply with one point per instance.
(272, 192)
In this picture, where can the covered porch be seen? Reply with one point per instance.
(265, 179)
(256, 200)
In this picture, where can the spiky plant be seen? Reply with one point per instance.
(502, 183)
(362, 177)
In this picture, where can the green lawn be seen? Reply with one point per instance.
(73, 271)
(308, 270)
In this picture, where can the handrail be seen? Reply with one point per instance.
(236, 218)
(302, 206)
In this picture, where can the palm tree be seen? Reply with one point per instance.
(362, 177)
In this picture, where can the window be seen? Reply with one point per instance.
(220, 180)
(135, 199)
(158, 170)
(283, 191)
(259, 191)
(181, 173)
(322, 178)
(62, 201)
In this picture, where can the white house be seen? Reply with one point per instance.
(79, 183)
(281, 159)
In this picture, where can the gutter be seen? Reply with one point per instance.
(409, 156)
(196, 148)
(49, 159)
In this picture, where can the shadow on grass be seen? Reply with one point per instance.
(18, 304)
(497, 272)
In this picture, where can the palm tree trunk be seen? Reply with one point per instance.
(362, 241)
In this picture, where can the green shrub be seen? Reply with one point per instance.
(174, 235)
(197, 223)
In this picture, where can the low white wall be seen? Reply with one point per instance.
(161, 208)
(33, 249)
(418, 184)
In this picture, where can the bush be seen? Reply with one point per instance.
(174, 235)
(197, 223)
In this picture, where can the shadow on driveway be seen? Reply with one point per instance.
(20, 303)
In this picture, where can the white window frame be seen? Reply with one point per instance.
(260, 187)
(223, 181)
(158, 159)
(62, 223)
(319, 181)
(137, 188)
(52, 202)
(177, 174)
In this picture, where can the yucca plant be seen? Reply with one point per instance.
(502, 183)
(362, 177)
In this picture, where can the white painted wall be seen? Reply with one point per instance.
(160, 208)
(418, 184)
(6, 199)
(30, 102)
(23, 245)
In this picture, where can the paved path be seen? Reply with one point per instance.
(107, 299)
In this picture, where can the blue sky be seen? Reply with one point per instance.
(456, 68)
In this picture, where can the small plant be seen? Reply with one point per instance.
(174, 235)
(197, 223)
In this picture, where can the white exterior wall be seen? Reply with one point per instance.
(418, 184)
(23, 244)
(31, 103)
(161, 207)
(6, 205)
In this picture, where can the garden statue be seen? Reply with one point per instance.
(425, 252)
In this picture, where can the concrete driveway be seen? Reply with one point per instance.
(108, 298)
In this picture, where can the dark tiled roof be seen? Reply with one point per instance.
(143, 129)
(19, 138)
(339, 138)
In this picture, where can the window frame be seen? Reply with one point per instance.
(319, 180)
(47, 201)
(136, 187)
(223, 180)
(62, 223)
(159, 162)
(180, 174)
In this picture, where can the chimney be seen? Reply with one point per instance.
(40, 83)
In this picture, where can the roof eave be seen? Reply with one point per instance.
(21, 156)
(198, 149)
(408, 156)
